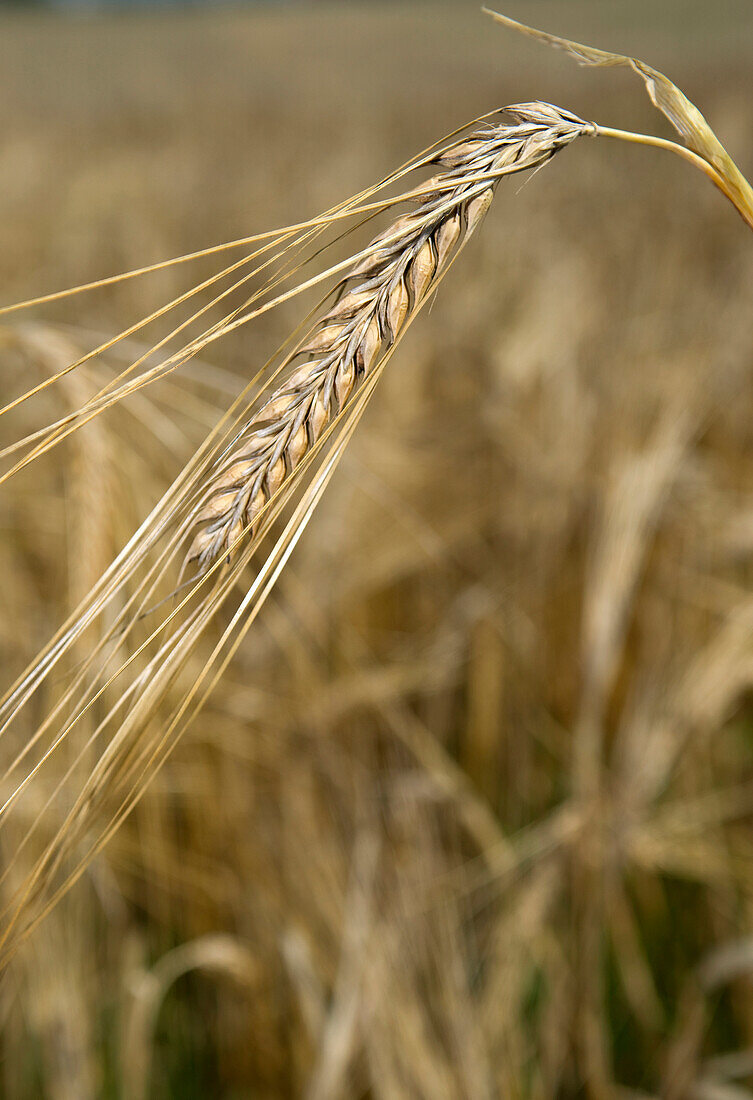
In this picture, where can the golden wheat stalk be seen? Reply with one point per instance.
(227, 496)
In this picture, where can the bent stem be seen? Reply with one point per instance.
(743, 203)
(703, 147)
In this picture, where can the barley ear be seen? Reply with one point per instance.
(380, 295)
(674, 105)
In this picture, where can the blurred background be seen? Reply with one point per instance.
(471, 813)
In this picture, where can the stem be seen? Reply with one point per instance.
(743, 208)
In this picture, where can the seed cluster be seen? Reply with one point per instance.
(376, 301)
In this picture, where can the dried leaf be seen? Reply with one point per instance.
(667, 97)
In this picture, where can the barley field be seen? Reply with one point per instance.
(468, 813)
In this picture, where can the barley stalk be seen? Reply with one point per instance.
(327, 381)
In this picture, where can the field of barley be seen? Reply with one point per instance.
(468, 812)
